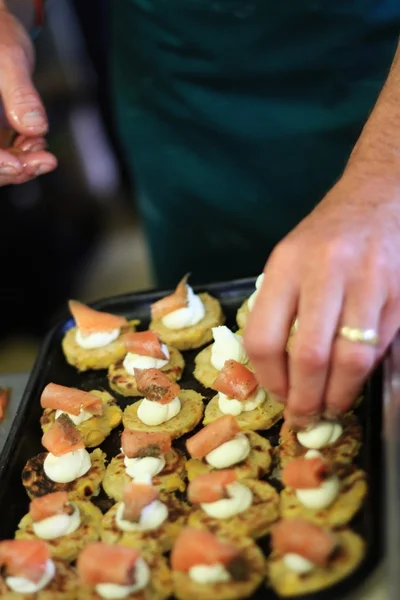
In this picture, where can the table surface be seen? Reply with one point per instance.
(373, 589)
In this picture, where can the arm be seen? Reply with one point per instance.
(23, 109)
(339, 266)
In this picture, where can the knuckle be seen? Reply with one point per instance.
(12, 55)
(22, 95)
(310, 357)
(337, 251)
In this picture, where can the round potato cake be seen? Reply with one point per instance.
(344, 561)
(125, 384)
(254, 522)
(197, 335)
(95, 358)
(63, 586)
(170, 479)
(68, 546)
(243, 314)
(95, 430)
(257, 463)
(38, 484)
(261, 418)
(190, 415)
(158, 588)
(157, 540)
(187, 589)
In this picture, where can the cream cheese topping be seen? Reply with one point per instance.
(84, 415)
(113, 591)
(251, 301)
(187, 316)
(206, 574)
(137, 468)
(152, 517)
(154, 413)
(323, 496)
(57, 525)
(323, 434)
(21, 585)
(231, 406)
(230, 453)
(227, 346)
(297, 563)
(138, 361)
(240, 499)
(96, 340)
(68, 467)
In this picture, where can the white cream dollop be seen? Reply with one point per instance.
(21, 585)
(231, 406)
(209, 574)
(154, 413)
(113, 591)
(298, 564)
(324, 433)
(68, 467)
(138, 361)
(152, 517)
(227, 346)
(230, 453)
(84, 415)
(137, 468)
(251, 301)
(96, 340)
(322, 497)
(240, 499)
(57, 525)
(187, 316)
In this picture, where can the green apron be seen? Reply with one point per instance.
(237, 116)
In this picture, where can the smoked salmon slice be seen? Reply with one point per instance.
(235, 381)
(105, 563)
(24, 558)
(145, 343)
(49, 505)
(138, 444)
(210, 487)
(200, 547)
(303, 473)
(304, 538)
(167, 305)
(212, 435)
(70, 400)
(156, 386)
(88, 320)
(136, 497)
(62, 436)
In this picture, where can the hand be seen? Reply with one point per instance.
(23, 110)
(339, 266)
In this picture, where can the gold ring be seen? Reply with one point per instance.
(362, 336)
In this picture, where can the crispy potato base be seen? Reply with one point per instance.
(196, 335)
(68, 547)
(125, 384)
(95, 430)
(190, 415)
(95, 358)
(254, 522)
(38, 484)
(256, 464)
(170, 479)
(62, 587)
(287, 583)
(262, 417)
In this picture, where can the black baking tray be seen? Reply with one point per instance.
(25, 435)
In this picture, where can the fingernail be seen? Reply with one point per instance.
(9, 170)
(34, 148)
(44, 169)
(34, 118)
(331, 413)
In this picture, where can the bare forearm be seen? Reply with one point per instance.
(377, 151)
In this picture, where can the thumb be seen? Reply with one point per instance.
(23, 106)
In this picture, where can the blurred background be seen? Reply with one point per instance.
(75, 232)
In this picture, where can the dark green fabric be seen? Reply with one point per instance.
(238, 116)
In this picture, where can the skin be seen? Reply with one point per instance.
(23, 121)
(339, 266)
